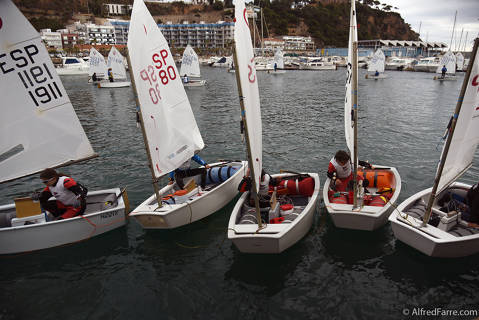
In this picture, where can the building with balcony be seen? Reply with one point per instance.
(100, 34)
(51, 39)
(117, 9)
(198, 35)
(296, 43)
(121, 30)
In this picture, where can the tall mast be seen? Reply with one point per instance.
(427, 214)
(145, 139)
(248, 145)
(355, 120)
(262, 53)
(453, 27)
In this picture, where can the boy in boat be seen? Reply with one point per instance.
(340, 171)
(443, 71)
(110, 75)
(70, 196)
(376, 74)
(468, 207)
(185, 171)
(185, 78)
(263, 192)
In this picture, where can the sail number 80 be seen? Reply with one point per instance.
(166, 73)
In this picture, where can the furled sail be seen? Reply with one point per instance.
(38, 126)
(170, 127)
(249, 85)
(348, 103)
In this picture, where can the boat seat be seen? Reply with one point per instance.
(417, 209)
(461, 231)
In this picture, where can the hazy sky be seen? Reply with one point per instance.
(437, 18)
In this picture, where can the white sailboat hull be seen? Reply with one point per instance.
(446, 78)
(72, 71)
(274, 238)
(97, 219)
(366, 218)
(170, 216)
(431, 240)
(373, 77)
(277, 72)
(118, 84)
(195, 83)
(320, 67)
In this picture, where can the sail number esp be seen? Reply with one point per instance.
(160, 71)
(37, 79)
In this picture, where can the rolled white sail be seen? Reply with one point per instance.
(377, 62)
(278, 59)
(448, 60)
(348, 103)
(459, 61)
(97, 64)
(466, 134)
(38, 126)
(115, 62)
(249, 86)
(190, 65)
(170, 125)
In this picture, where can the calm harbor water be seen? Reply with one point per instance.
(195, 272)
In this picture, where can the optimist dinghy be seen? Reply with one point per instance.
(190, 66)
(42, 106)
(170, 133)
(376, 64)
(431, 220)
(360, 209)
(448, 60)
(115, 62)
(288, 216)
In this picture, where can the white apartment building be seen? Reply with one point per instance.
(273, 44)
(121, 30)
(296, 43)
(198, 35)
(100, 34)
(117, 9)
(51, 39)
(81, 30)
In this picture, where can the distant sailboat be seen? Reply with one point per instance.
(117, 66)
(170, 133)
(39, 129)
(190, 67)
(251, 229)
(448, 60)
(459, 62)
(278, 63)
(97, 66)
(447, 235)
(376, 66)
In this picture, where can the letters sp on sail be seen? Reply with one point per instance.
(348, 102)
(249, 86)
(170, 125)
(38, 126)
(115, 62)
(190, 65)
(466, 134)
